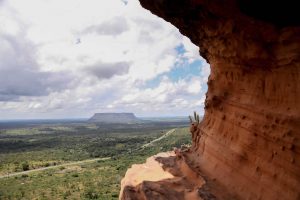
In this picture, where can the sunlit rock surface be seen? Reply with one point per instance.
(163, 176)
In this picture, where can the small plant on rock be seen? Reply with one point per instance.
(196, 118)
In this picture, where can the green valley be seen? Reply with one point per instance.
(79, 160)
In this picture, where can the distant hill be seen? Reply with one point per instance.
(119, 118)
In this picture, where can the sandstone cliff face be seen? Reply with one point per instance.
(248, 143)
(163, 176)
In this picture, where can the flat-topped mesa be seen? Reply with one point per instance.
(248, 142)
(114, 118)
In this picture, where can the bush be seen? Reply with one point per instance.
(67, 194)
(25, 166)
(91, 194)
(115, 195)
(24, 176)
(47, 164)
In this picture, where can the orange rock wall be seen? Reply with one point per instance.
(249, 138)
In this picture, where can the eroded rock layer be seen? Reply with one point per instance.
(248, 142)
(163, 176)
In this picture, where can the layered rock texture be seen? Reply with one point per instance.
(163, 176)
(248, 144)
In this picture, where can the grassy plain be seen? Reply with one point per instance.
(52, 145)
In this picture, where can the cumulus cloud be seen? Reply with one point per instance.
(19, 73)
(64, 58)
(115, 26)
(166, 95)
(108, 70)
(16, 83)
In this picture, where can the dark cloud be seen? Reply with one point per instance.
(19, 73)
(115, 26)
(107, 70)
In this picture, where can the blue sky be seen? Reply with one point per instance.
(181, 70)
(70, 59)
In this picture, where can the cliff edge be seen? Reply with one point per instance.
(248, 144)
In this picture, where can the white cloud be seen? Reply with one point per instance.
(77, 57)
(183, 94)
(114, 26)
(192, 51)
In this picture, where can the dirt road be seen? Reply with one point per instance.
(160, 138)
(54, 167)
(80, 162)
